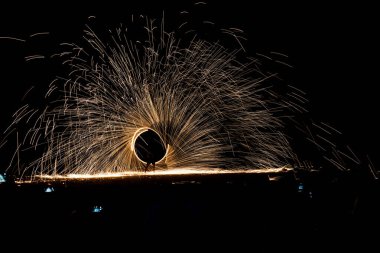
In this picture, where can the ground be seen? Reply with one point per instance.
(301, 212)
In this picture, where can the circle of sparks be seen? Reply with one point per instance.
(148, 146)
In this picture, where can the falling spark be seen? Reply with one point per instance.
(34, 57)
(39, 34)
(12, 38)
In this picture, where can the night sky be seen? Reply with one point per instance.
(333, 49)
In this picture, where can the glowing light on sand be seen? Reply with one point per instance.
(166, 172)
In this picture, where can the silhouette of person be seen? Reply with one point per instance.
(150, 159)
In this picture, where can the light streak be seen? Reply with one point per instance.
(152, 174)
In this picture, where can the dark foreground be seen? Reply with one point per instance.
(301, 212)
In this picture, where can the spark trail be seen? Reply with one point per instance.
(210, 109)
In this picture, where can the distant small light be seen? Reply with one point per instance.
(311, 195)
(97, 209)
(49, 189)
(2, 179)
(300, 187)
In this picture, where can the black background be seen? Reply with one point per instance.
(333, 49)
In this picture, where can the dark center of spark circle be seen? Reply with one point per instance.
(149, 147)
